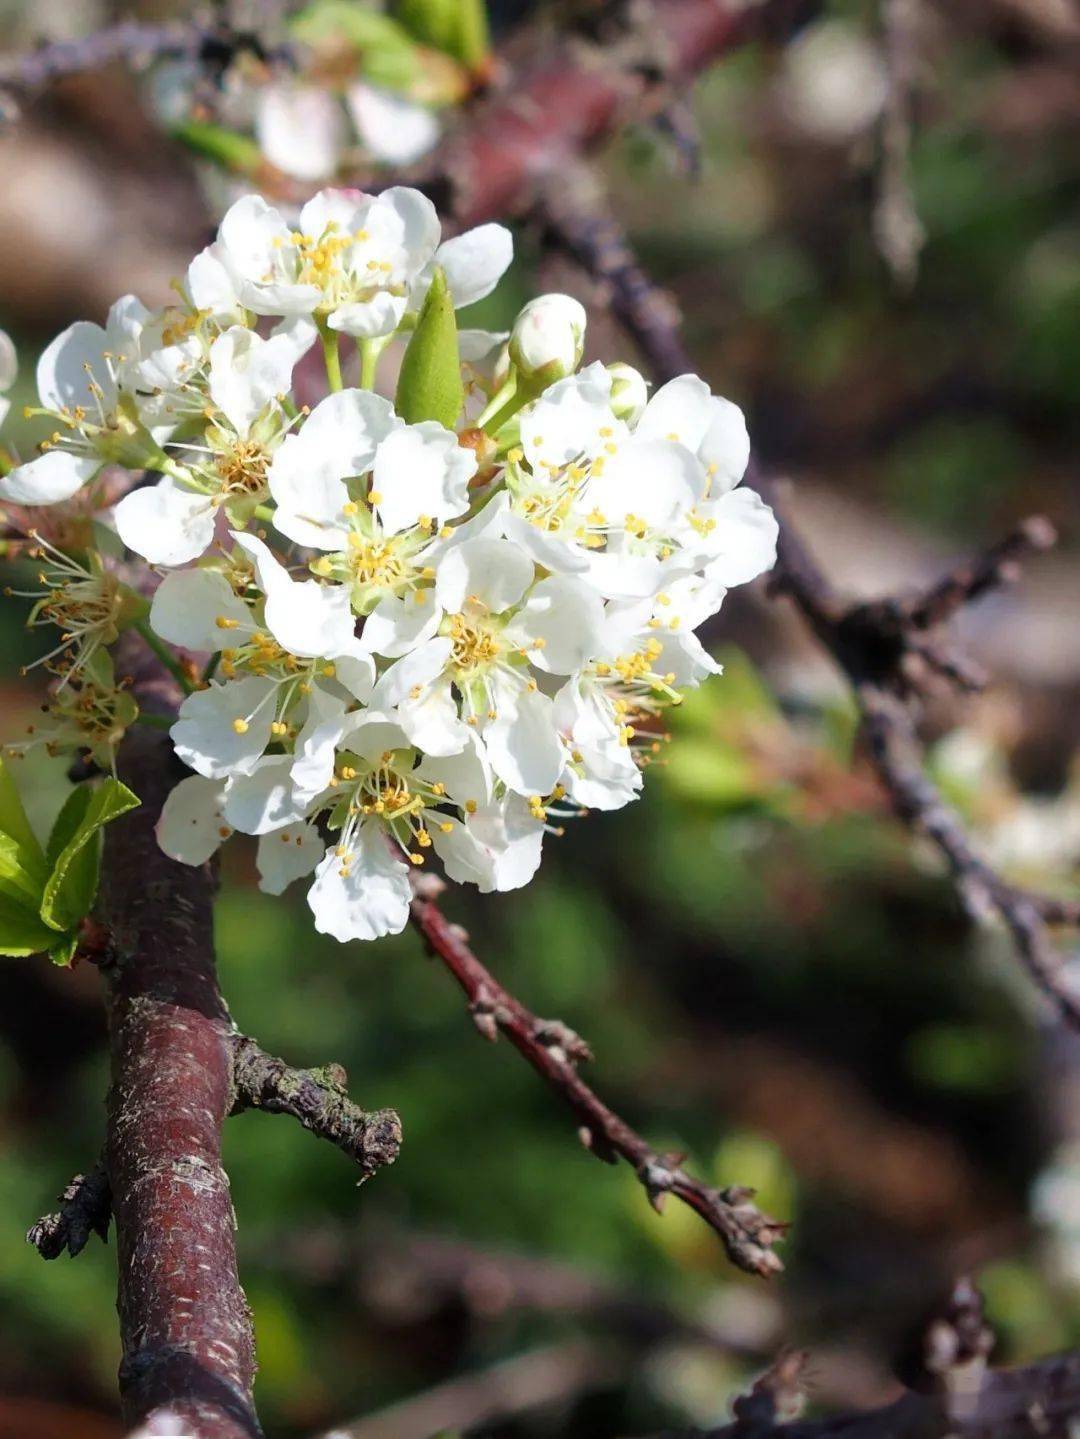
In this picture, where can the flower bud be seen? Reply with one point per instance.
(629, 392)
(548, 338)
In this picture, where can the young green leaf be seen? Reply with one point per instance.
(21, 932)
(72, 884)
(13, 822)
(429, 385)
(22, 883)
(63, 952)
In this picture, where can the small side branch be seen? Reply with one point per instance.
(554, 1051)
(85, 1209)
(317, 1099)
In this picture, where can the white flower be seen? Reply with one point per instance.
(300, 129)
(307, 619)
(357, 261)
(192, 825)
(166, 523)
(196, 609)
(9, 369)
(85, 384)
(338, 440)
(365, 896)
(395, 131)
(548, 338)
(684, 410)
(225, 728)
(286, 855)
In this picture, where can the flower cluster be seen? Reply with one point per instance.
(406, 629)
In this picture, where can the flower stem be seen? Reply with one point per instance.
(155, 721)
(264, 512)
(331, 356)
(369, 359)
(166, 656)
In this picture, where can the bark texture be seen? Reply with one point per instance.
(185, 1325)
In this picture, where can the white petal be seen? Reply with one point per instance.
(247, 236)
(397, 625)
(248, 372)
(417, 219)
(475, 262)
(680, 410)
(466, 775)
(551, 551)
(204, 734)
(286, 855)
(422, 470)
(568, 616)
(165, 524)
(620, 575)
(9, 361)
(306, 618)
(431, 722)
(209, 284)
(187, 606)
(354, 671)
(316, 744)
(571, 420)
(418, 668)
(337, 440)
(726, 445)
(300, 130)
(652, 479)
(522, 742)
(263, 800)
(68, 366)
(743, 545)
(497, 848)
(493, 572)
(190, 824)
(370, 898)
(49, 480)
(394, 130)
(370, 319)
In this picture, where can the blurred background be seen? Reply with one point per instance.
(772, 976)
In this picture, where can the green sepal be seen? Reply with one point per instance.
(76, 845)
(429, 385)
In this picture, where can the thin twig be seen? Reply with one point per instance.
(888, 648)
(554, 1051)
(85, 1209)
(319, 1100)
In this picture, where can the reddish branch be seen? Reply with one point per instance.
(555, 1051)
(184, 1323)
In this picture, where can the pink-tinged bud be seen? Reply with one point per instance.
(548, 338)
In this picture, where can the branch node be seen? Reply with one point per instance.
(85, 1209)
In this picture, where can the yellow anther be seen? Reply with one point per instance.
(241, 726)
(446, 827)
(471, 806)
(375, 497)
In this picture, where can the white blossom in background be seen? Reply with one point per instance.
(9, 370)
(402, 641)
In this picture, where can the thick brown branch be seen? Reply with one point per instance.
(554, 1052)
(318, 1099)
(85, 1209)
(185, 1326)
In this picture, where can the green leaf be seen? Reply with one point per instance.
(13, 822)
(22, 932)
(72, 884)
(22, 883)
(67, 823)
(457, 27)
(63, 952)
(429, 386)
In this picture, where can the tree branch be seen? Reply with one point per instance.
(85, 1209)
(554, 1051)
(888, 648)
(318, 1099)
